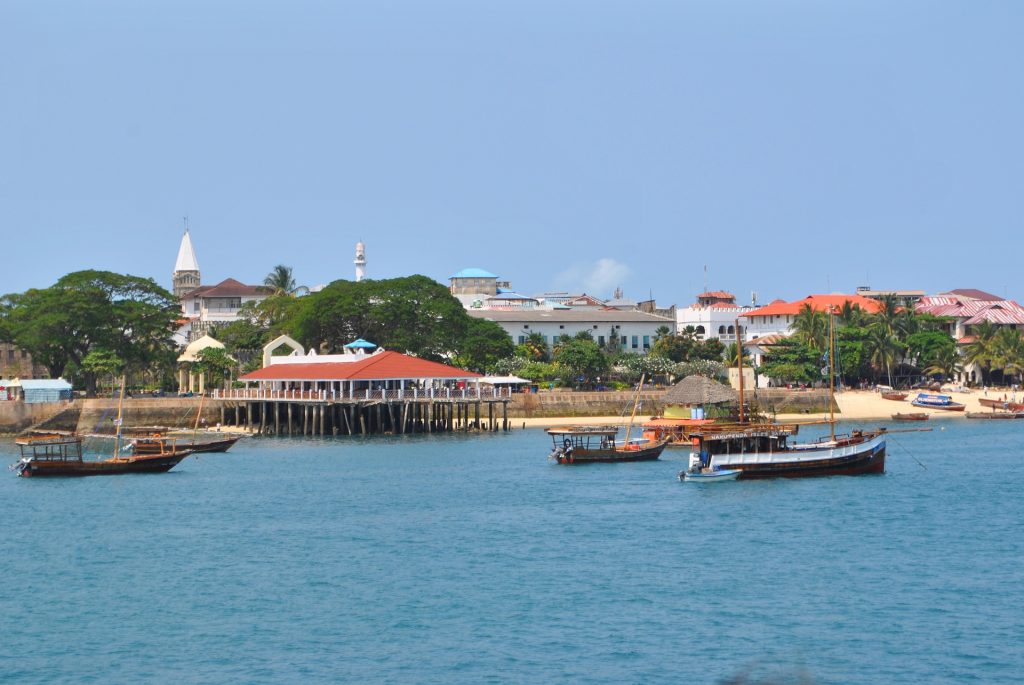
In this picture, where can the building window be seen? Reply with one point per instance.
(623, 341)
(721, 330)
(522, 339)
(561, 326)
(647, 342)
(636, 342)
(700, 330)
(526, 328)
(731, 330)
(600, 340)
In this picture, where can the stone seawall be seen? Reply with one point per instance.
(565, 403)
(97, 415)
(17, 416)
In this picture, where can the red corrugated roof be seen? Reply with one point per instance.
(972, 310)
(718, 293)
(229, 287)
(376, 367)
(818, 303)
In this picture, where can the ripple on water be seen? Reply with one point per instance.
(472, 559)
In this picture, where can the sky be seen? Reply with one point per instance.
(783, 148)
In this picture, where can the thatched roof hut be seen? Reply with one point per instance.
(700, 390)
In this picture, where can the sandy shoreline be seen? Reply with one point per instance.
(854, 405)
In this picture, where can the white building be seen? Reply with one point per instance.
(203, 306)
(632, 331)
(714, 315)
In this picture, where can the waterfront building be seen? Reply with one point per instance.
(188, 379)
(632, 331)
(713, 315)
(362, 367)
(967, 308)
(17, 363)
(205, 306)
(906, 298)
(777, 317)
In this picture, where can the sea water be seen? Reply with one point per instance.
(473, 559)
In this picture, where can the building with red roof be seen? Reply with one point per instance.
(714, 315)
(356, 373)
(776, 317)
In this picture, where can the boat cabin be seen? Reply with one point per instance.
(713, 440)
(51, 448)
(584, 437)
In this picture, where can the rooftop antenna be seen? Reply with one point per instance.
(705, 278)
(185, 218)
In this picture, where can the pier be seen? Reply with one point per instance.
(382, 412)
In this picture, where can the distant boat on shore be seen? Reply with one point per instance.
(931, 401)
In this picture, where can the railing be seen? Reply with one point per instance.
(366, 394)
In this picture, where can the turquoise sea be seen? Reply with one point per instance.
(472, 559)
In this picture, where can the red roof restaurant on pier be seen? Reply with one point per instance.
(354, 375)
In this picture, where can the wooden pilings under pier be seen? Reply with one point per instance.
(363, 417)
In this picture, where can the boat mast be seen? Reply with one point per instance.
(120, 420)
(636, 401)
(199, 414)
(831, 373)
(739, 365)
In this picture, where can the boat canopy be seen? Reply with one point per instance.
(584, 430)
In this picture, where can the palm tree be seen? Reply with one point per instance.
(810, 326)
(850, 314)
(730, 356)
(947, 362)
(982, 350)
(883, 348)
(537, 347)
(1008, 352)
(888, 314)
(280, 282)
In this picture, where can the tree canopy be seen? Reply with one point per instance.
(127, 317)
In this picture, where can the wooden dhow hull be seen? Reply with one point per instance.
(853, 459)
(157, 463)
(611, 456)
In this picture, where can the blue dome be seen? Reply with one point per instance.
(474, 273)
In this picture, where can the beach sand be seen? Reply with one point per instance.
(854, 405)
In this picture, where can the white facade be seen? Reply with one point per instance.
(633, 331)
(760, 326)
(713, 322)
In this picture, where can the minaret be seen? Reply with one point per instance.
(186, 269)
(360, 261)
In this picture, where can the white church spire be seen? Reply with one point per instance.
(186, 255)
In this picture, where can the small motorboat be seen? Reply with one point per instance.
(932, 401)
(709, 475)
(700, 472)
(916, 416)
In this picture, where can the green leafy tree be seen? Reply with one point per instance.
(792, 361)
(483, 345)
(103, 362)
(883, 349)
(129, 316)
(535, 348)
(582, 360)
(413, 314)
(215, 363)
(924, 346)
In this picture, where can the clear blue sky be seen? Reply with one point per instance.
(792, 146)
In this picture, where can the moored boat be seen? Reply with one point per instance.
(61, 455)
(763, 451)
(1001, 404)
(932, 401)
(708, 475)
(995, 415)
(597, 444)
(913, 416)
(893, 395)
